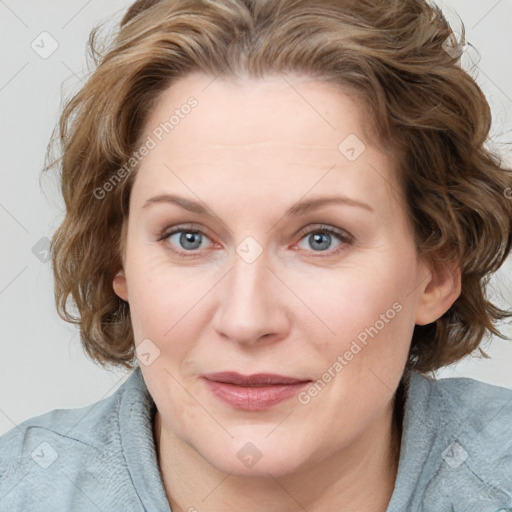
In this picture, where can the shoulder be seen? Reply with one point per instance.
(43, 457)
(87, 427)
(462, 428)
(468, 406)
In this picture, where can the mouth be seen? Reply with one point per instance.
(253, 392)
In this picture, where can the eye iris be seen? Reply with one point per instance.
(319, 238)
(191, 240)
(190, 237)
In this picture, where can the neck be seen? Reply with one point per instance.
(360, 477)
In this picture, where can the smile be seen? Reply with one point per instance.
(253, 392)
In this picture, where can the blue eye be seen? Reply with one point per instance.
(320, 239)
(186, 239)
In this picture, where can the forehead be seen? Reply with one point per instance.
(272, 132)
(293, 110)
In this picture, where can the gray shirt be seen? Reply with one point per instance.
(456, 453)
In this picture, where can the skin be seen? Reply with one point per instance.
(249, 151)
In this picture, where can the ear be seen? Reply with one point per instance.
(439, 293)
(119, 285)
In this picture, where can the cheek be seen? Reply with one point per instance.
(366, 315)
(151, 297)
(167, 306)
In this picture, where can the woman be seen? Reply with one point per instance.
(210, 151)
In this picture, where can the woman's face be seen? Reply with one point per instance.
(287, 251)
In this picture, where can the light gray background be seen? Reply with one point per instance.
(42, 365)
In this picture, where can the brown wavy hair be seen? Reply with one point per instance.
(392, 54)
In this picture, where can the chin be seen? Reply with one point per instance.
(256, 455)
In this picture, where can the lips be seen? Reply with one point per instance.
(253, 392)
(258, 379)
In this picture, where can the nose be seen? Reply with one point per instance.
(251, 304)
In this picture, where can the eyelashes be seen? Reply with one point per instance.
(191, 235)
(196, 234)
(312, 236)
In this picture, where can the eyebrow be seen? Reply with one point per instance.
(300, 208)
